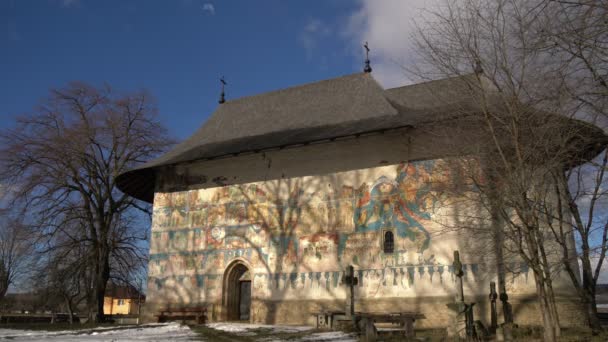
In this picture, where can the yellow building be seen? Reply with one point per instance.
(122, 300)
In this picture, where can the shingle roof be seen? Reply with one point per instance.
(321, 110)
(326, 103)
(433, 94)
(333, 108)
(123, 292)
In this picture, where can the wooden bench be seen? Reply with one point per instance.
(197, 314)
(366, 320)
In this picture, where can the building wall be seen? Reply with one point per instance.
(114, 306)
(297, 232)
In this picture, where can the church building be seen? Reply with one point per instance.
(258, 214)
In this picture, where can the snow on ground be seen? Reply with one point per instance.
(333, 336)
(329, 336)
(175, 332)
(148, 332)
(245, 329)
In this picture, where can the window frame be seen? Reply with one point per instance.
(384, 241)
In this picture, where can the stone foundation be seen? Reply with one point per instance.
(437, 315)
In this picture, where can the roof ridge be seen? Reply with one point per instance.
(428, 82)
(325, 109)
(291, 88)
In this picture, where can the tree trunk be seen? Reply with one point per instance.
(550, 325)
(91, 314)
(587, 290)
(99, 294)
(4, 283)
(553, 307)
(68, 304)
(3, 290)
(100, 285)
(591, 309)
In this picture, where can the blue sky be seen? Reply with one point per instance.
(178, 49)
(175, 49)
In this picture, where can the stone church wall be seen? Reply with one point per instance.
(297, 234)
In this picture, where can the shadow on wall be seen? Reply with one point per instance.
(295, 237)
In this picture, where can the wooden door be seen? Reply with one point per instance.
(244, 300)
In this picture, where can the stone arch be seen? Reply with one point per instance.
(232, 286)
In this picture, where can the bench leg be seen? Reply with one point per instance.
(408, 326)
(370, 334)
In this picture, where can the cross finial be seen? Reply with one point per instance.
(222, 95)
(367, 68)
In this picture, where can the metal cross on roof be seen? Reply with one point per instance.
(222, 95)
(367, 68)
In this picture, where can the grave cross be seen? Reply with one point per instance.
(351, 281)
(459, 273)
(493, 313)
(464, 308)
(506, 306)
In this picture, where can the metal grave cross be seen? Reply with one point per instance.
(351, 281)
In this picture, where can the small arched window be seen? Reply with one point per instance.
(389, 242)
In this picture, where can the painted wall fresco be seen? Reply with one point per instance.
(299, 234)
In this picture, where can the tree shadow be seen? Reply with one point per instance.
(298, 234)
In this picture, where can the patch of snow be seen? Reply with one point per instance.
(149, 332)
(333, 336)
(244, 328)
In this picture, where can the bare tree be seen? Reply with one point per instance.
(576, 35)
(66, 277)
(16, 253)
(580, 207)
(512, 78)
(62, 162)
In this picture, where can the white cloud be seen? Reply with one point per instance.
(316, 26)
(209, 8)
(387, 25)
(313, 32)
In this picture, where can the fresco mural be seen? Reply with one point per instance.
(301, 233)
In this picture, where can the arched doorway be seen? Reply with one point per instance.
(237, 292)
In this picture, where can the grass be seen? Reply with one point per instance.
(217, 335)
(535, 333)
(522, 333)
(260, 334)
